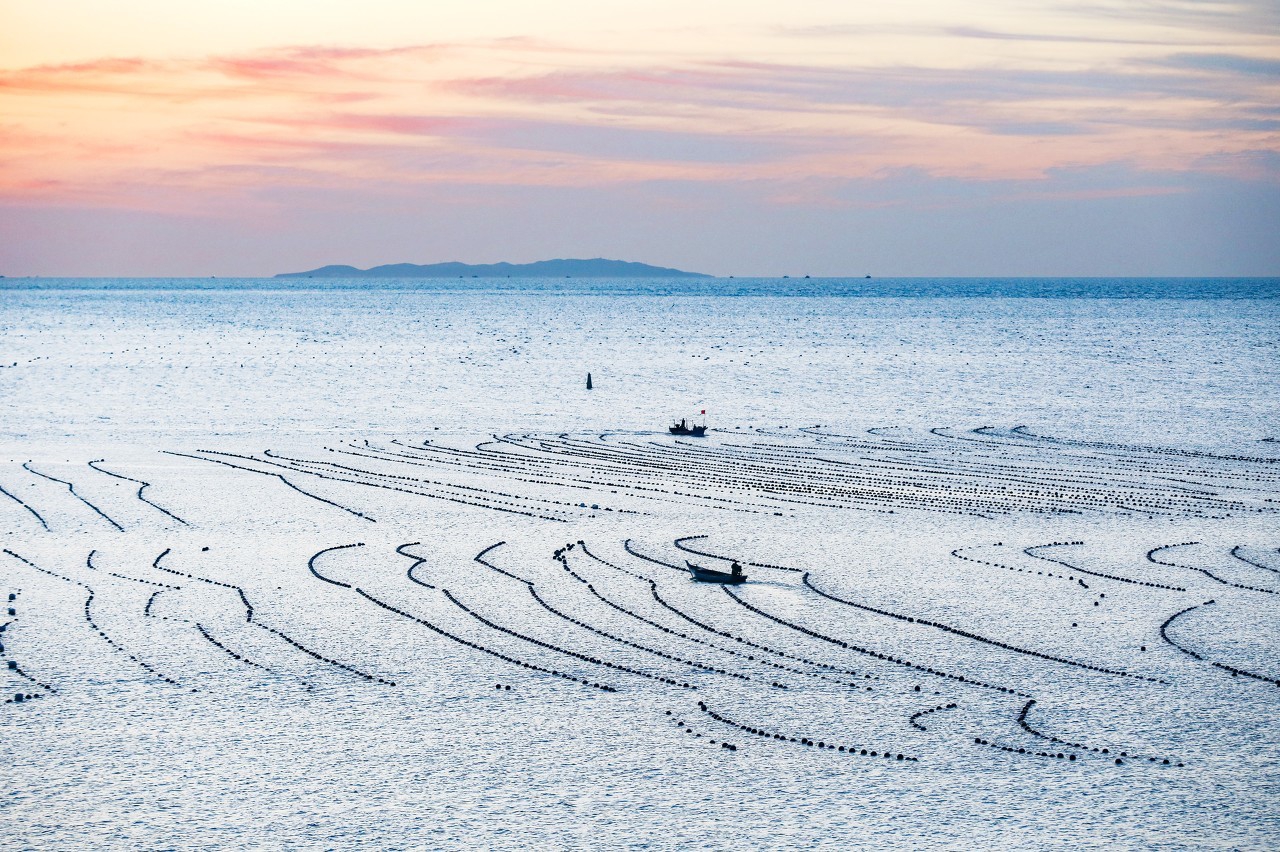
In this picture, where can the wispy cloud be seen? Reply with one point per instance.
(533, 112)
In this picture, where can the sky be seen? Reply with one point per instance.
(920, 137)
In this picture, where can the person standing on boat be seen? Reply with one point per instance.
(736, 569)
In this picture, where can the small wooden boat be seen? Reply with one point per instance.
(683, 428)
(706, 575)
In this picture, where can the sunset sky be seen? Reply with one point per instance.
(1095, 137)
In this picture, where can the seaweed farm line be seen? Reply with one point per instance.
(1007, 657)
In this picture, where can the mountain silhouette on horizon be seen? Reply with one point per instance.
(595, 268)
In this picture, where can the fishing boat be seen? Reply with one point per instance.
(684, 428)
(706, 575)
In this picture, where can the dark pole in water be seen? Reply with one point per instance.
(588, 381)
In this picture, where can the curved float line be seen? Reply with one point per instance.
(279, 476)
(323, 500)
(653, 590)
(230, 653)
(1022, 430)
(548, 646)
(479, 557)
(27, 465)
(1151, 557)
(1027, 550)
(311, 563)
(352, 669)
(400, 458)
(841, 643)
(478, 647)
(905, 447)
(1026, 726)
(142, 486)
(24, 505)
(679, 543)
(912, 718)
(379, 482)
(409, 573)
(1251, 562)
(669, 631)
(964, 634)
(89, 564)
(801, 740)
(662, 654)
(626, 545)
(18, 670)
(957, 554)
(1164, 634)
(88, 617)
(203, 631)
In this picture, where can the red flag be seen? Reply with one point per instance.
(704, 411)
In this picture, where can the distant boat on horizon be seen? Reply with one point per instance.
(684, 428)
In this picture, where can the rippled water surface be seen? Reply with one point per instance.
(335, 567)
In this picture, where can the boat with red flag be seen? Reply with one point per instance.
(689, 429)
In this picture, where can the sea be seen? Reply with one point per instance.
(333, 563)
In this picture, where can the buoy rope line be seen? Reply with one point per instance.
(958, 553)
(868, 652)
(805, 741)
(705, 667)
(595, 661)
(390, 457)
(488, 463)
(142, 486)
(304, 649)
(379, 478)
(1022, 430)
(598, 631)
(1235, 551)
(26, 506)
(1030, 551)
(475, 646)
(828, 667)
(920, 714)
(402, 550)
(1151, 556)
(269, 474)
(89, 564)
(680, 543)
(12, 665)
(1234, 672)
(363, 477)
(1026, 726)
(88, 617)
(658, 462)
(27, 466)
(487, 497)
(700, 642)
(965, 634)
(626, 545)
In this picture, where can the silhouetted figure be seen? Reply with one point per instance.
(736, 570)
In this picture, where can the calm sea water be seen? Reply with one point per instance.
(122, 370)
(1055, 288)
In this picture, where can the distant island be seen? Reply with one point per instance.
(595, 268)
